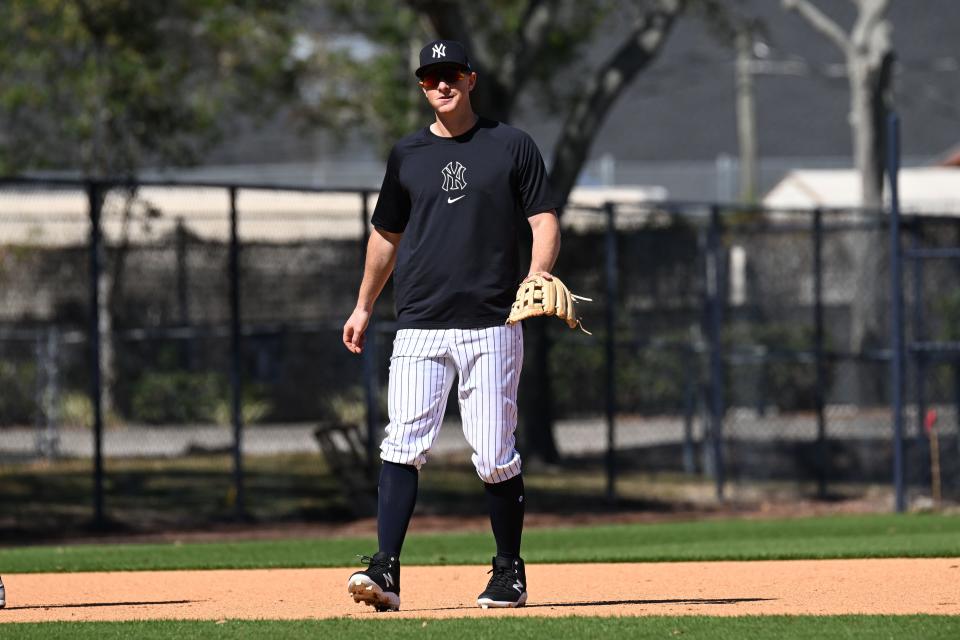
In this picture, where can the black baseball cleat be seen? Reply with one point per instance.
(379, 585)
(507, 586)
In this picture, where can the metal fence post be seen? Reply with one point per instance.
(715, 303)
(823, 453)
(919, 360)
(183, 294)
(896, 311)
(95, 200)
(236, 359)
(369, 356)
(691, 377)
(611, 320)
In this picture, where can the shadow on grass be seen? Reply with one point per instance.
(50, 502)
(55, 501)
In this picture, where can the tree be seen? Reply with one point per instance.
(868, 53)
(515, 45)
(519, 48)
(105, 86)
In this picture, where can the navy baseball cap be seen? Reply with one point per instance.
(443, 52)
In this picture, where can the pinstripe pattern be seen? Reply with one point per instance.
(422, 369)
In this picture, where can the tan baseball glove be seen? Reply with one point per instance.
(541, 297)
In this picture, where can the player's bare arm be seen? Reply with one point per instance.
(546, 244)
(381, 257)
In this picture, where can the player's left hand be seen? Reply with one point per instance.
(538, 274)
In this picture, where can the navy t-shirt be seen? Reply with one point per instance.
(459, 203)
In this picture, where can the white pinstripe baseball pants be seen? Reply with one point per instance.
(422, 368)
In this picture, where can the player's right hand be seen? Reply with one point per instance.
(355, 329)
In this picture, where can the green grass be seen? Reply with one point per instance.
(496, 628)
(926, 535)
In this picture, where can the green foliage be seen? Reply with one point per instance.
(182, 397)
(104, 85)
(948, 309)
(252, 411)
(350, 407)
(650, 378)
(177, 397)
(18, 381)
(945, 376)
(76, 410)
(373, 87)
(370, 87)
(788, 384)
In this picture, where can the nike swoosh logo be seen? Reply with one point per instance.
(452, 200)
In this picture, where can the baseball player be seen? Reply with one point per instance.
(446, 226)
(3, 595)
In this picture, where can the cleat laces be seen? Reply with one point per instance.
(503, 578)
(377, 565)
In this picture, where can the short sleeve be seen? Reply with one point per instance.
(393, 204)
(535, 193)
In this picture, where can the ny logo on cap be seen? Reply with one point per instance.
(439, 51)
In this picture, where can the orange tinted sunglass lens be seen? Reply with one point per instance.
(432, 80)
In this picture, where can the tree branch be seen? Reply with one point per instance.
(539, 18)
(870, 16)
(589, 112)
(821, 22)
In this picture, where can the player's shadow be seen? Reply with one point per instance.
(86, 605)
(617, 603)
(613, 603)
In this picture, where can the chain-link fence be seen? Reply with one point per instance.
(172, 357)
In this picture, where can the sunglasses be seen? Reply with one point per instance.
(432, 79)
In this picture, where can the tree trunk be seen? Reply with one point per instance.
(580, 129)
(869, 86)
(590, 110)
(537, 406)
(868, 53)
(865, 143)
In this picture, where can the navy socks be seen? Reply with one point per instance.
(505, 500)
(396, 497)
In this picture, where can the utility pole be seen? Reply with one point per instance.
(746, 115)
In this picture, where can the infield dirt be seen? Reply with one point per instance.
(817, 587)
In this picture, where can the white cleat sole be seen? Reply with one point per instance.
(487, 603)
(365, 590)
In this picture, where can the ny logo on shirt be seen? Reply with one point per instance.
(453, 178)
